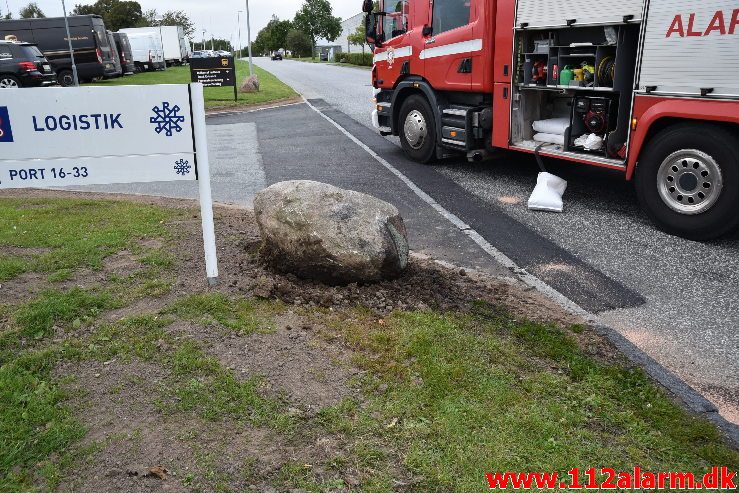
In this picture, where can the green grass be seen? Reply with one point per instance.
(316, 60)
(445, 397)
(307, 59)
(271, 88)
(198, 383)
(34, 422)
(69, 234)
(242, 316)
(473, 394)
(36, 425)
(37, 317)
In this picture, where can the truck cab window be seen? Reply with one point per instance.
(450, 14)
(396, 19)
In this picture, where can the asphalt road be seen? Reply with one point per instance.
(237, 172)
(675, 299)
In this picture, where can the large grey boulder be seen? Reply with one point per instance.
(250, 84)
(318, 231)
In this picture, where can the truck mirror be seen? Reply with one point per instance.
(367, 6)
(370, 28)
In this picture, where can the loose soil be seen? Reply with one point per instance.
(119, 402)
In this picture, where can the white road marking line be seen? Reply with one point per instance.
(524, 276)
(238, 112)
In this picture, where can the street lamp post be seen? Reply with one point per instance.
(160, 19)
(248, 35)
(238, 23)
(75, 77)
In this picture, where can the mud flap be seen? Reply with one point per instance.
(548, 193)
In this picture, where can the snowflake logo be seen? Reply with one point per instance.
(167, 119)
(182, 167)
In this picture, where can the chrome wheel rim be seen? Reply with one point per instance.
(415, 129)
(8, 84)
(690, 182)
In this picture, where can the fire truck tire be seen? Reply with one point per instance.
(417, 129)
(687, 181)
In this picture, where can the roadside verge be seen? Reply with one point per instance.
(131, 364)
(584, 294)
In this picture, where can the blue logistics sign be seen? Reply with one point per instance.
(96, 135)
(6, 131)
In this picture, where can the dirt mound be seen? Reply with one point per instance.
(425, 284)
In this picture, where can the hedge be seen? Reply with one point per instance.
(364, 59)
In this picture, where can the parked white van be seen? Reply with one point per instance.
(176, 47)
(147, 52)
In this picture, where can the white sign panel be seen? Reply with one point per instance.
(96, 135)
(52, 137)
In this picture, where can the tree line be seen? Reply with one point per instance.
(30, 11)
(118, 14)
(312, 21)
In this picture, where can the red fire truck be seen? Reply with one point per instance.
(646, 87)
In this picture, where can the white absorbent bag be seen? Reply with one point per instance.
(548, 193)
(556, 126)
(549, 139)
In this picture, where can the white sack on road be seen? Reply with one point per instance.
(548, 193)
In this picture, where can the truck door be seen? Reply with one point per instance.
(397, 47)
(448, 50)
(483, 29)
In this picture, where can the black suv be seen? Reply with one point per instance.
(23, 65)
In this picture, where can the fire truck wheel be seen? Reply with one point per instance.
(418, 129)
(687, 181)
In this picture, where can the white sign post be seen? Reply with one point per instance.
(53, 137)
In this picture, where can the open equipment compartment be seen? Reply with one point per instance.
(582, 74)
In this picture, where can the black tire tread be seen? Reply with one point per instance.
(716, 141)
(427, 154)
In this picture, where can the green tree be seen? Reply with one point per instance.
(219, 44)
(299, 43)
(359, 36)
(31, 11)
(148, 18)
(169, 18)
(278, 31)
(273, 36)
(117, 14)
(315, 18)
(179, 18)
(123, 15)
(259, 45)
(84, 10)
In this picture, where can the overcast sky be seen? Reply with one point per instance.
(215, 16)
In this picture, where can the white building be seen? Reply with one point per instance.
(348, 27)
